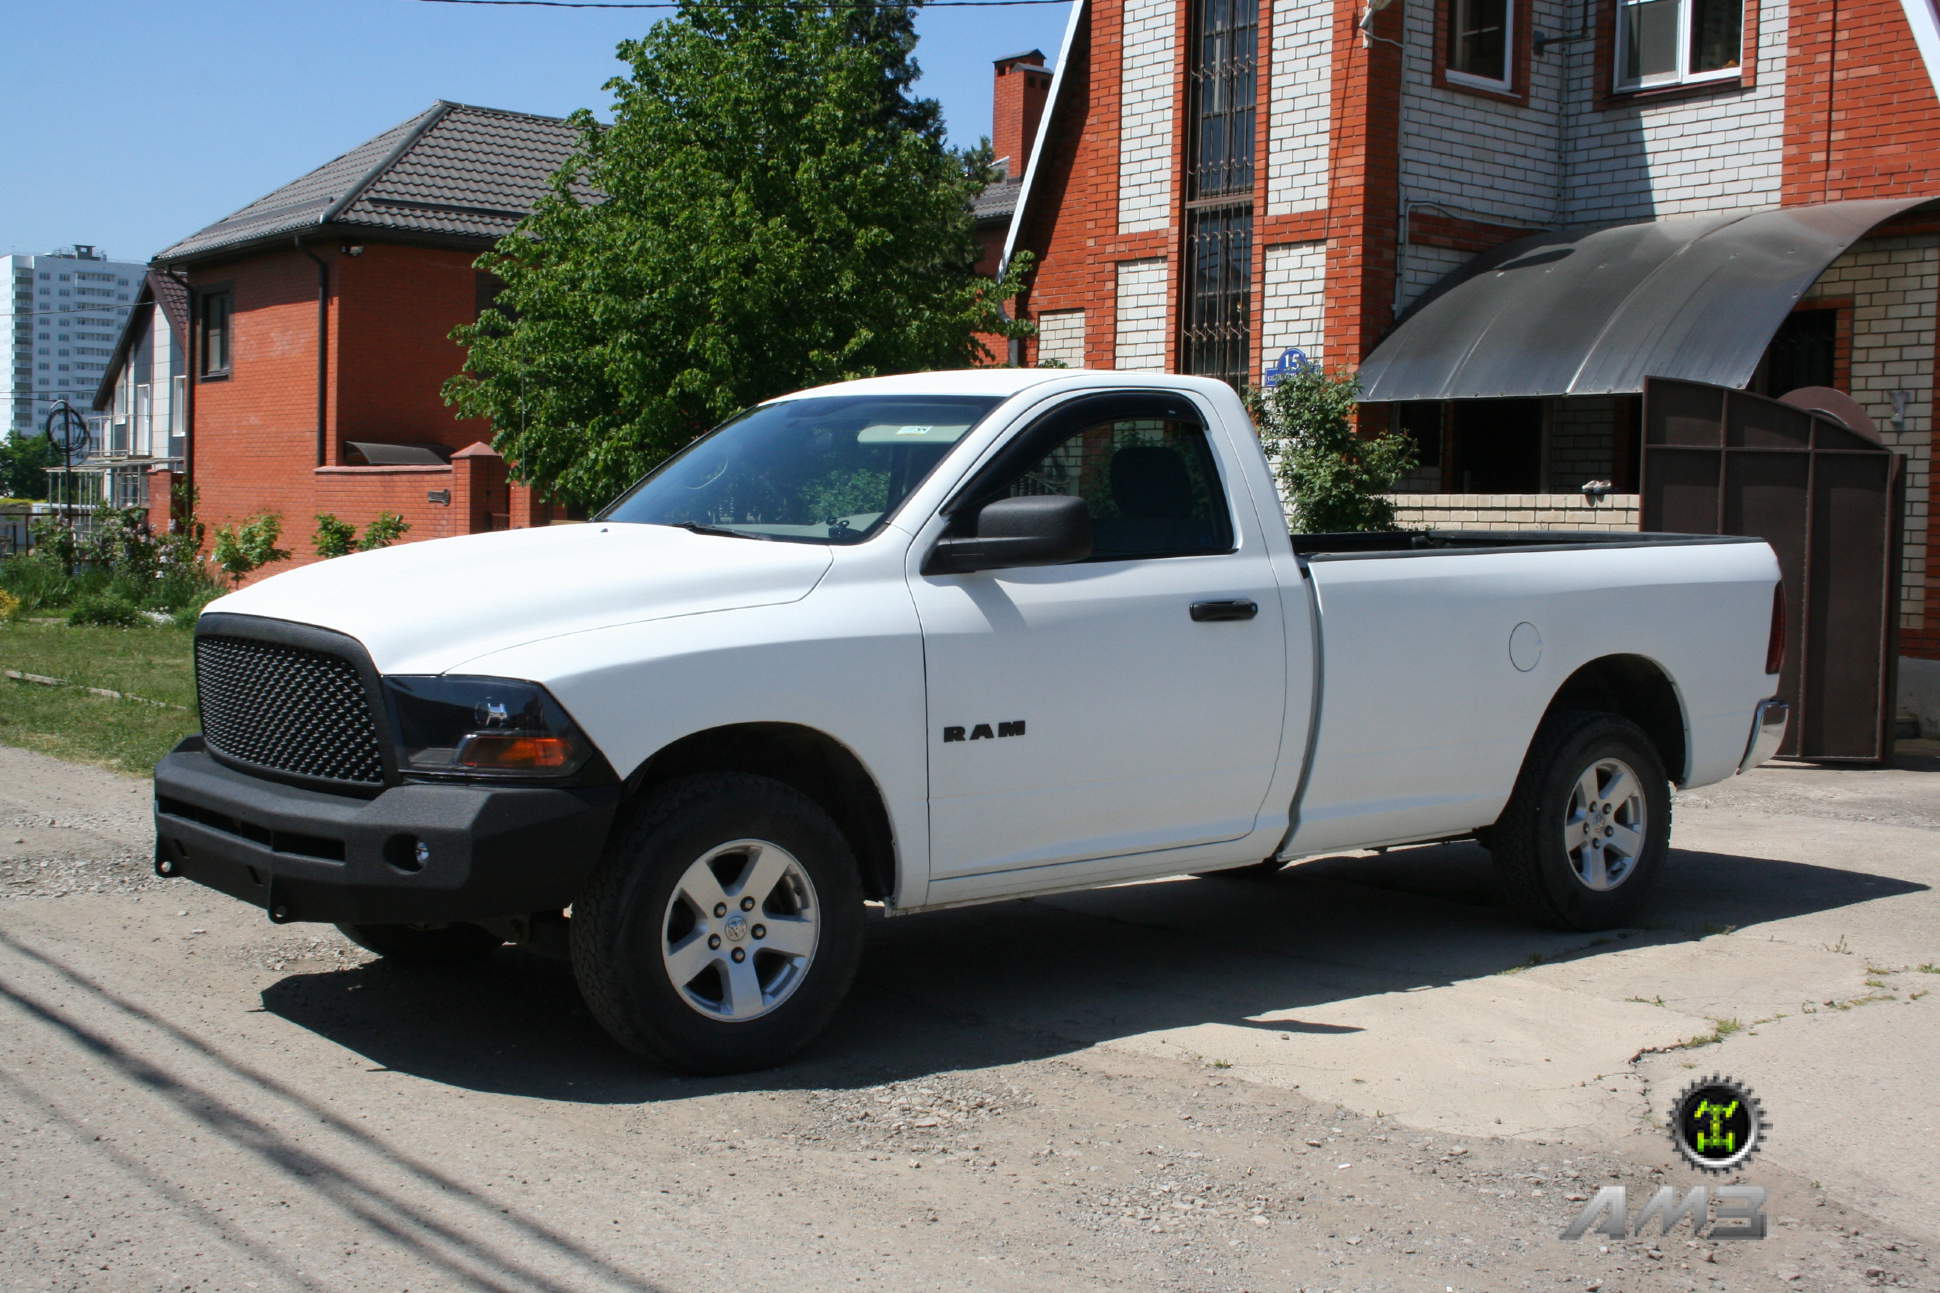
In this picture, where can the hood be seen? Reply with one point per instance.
(428, 607)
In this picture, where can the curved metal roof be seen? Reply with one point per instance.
(1595, 312)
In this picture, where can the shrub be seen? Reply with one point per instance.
(249, 546)
(9, 606)
(333, 537)
(122, 545)
(104, 612)
(387, 529)
(37, 582)
(1333, 478)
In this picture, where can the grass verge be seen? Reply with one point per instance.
(154, 663)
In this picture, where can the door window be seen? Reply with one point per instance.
(1143, 468)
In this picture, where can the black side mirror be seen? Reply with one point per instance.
(1036, 530)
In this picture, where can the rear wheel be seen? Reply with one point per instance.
(424, 944)
(724, 926)
(1583, 840)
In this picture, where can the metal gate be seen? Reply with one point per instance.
(1827, 497)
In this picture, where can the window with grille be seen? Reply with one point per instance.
(1222, 63)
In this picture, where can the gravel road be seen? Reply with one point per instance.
(1359, 1075)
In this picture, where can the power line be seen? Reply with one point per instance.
(759, 4)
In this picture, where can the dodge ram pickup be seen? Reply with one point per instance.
(933, 640)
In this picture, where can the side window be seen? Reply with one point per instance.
(1149, 483)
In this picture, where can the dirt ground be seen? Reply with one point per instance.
(1361, 1074)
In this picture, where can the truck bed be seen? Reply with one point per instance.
(1398, 543)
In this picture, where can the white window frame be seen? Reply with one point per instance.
(1455, 76)
(1683, 75)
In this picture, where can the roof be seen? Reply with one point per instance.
(453, 172)
(997, 200)
(1594, 312)
(1020, 206)
(1029, 58)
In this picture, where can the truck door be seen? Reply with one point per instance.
(1120, 705)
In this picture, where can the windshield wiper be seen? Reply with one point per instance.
(695, 527)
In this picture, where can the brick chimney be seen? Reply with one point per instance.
(1017, 100)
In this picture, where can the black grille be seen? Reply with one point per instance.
(287, 709)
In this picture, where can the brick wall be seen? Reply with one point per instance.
(397, 308)
(1580, 441)
(1296, 301)
(1061, 337)
(1645, 156)
(1892, 284)
(1299, 99)
(1140, 343)
(1515, 512)
(1017, 98)
(1147, 73)
(254, 439)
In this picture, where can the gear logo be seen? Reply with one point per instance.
(1717, 1123)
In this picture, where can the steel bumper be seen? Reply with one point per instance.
(413, 853)
(1767, 730)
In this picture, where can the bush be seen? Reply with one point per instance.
(104, 612)
(37, 582)
(249, 546)
(122, 545)
(9, 606)
(1333, 478)
(333, 537)
(387, 529)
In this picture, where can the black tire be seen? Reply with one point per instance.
(629, 917)
(424, 944)
(1540, 871)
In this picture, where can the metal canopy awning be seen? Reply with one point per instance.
(404, 454)
(1594, 313)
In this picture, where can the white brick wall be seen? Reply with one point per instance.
(1296, 302)
(1483, 159)
(1514, 512)
(1712, 153)
(1145, 116)
(1297, 123)
(1582, 443)
(1894, 284)
(1140, 342)
(1061, 337)
(1423, 267)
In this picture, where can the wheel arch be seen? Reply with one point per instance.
(1637, 688)
(805, 758)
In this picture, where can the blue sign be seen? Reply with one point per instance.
(1292, 360)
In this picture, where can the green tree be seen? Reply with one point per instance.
(1334, 479)
(23, 466)
(772, 208)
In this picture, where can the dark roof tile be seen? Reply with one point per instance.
(451, 171)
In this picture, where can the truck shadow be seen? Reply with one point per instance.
(1034, 979)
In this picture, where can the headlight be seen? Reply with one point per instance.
(483, 727)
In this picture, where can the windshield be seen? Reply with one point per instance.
(828, 469)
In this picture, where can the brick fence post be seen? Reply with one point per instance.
(529, 507)
(161, 500)
(478, 489)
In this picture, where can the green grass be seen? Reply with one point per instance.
(67, 722)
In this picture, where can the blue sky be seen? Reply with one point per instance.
(144, 122)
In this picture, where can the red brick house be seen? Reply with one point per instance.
(1217, 181)
(321, 316)
(319, 331)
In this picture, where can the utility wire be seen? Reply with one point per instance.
(759, 4)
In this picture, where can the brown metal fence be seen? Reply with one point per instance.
(1828, 499)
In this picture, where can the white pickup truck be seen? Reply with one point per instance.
(932, 640)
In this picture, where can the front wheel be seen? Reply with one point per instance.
(724, 926)
(1583, 840)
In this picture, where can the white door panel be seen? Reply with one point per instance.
(1139, 732)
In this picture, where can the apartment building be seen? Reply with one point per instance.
(63, 315)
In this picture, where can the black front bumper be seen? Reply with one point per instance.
(413, 853)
